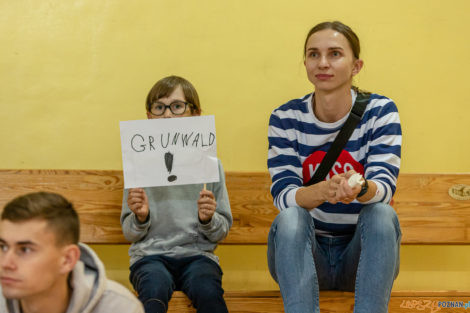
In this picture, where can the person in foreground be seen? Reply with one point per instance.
(44, 269)
(329, 235)
(174, 230)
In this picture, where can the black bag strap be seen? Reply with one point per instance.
(362, 99)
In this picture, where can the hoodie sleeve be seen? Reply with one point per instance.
(217, 229)
(132, 229)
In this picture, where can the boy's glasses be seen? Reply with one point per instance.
(176, 107)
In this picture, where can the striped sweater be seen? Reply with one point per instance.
(298, 142)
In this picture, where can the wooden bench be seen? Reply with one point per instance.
(428, 215)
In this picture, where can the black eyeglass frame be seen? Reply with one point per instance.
(168, 106)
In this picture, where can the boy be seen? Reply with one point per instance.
(43, 268)
(174, 230)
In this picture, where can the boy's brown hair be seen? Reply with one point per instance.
(165, 86)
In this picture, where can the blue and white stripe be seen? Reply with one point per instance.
(295, 133)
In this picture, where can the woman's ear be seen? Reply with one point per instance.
(358, 63)
(70, 257)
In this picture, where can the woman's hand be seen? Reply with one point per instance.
(138, 203)
(206, 206)
(333, 190)
(338, 189)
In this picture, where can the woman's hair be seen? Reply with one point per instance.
(340, 28)
(165, 86)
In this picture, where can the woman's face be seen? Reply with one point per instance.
(177, 100)
(329, 61)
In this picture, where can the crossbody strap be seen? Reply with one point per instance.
(341, 139)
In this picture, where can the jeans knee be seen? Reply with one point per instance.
(204, 291)
(152, 285)
(292, 224)
(381, 220)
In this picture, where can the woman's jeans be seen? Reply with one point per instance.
(155, 277)
(366, 262)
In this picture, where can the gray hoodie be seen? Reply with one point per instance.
(173, 228)
(92, 291)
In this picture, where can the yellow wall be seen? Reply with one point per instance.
(71, 70)
(245, 267)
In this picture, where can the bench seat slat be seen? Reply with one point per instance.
(428, 215)
(330, 301)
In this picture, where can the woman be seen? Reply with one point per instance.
(330, 236)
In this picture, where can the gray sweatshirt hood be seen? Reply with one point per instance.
(88, 281)
(92, 292)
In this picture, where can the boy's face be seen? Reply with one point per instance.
(177, 96)
(30, 260)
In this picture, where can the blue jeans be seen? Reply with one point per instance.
(155, 277)
(366, 262)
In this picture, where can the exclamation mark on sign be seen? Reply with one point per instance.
(169, 166)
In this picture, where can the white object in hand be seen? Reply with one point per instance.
(355, 179)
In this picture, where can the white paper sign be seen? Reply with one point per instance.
(169, 151)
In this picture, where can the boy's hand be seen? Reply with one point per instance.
(138, 203)
(206, 206)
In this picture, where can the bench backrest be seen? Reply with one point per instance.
(428, 215)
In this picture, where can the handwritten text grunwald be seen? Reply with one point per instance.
(140, 143)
